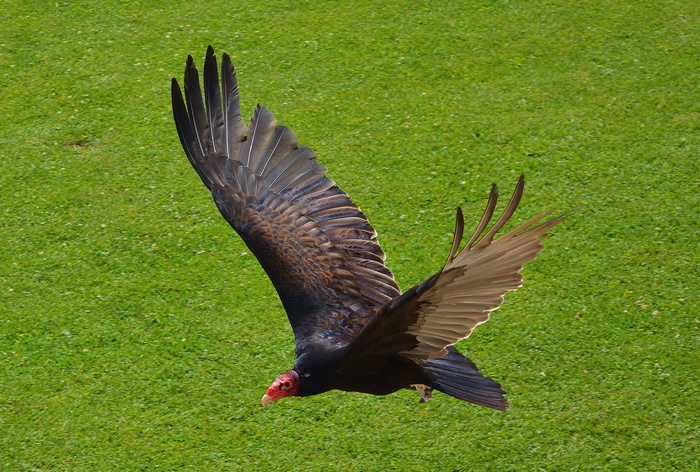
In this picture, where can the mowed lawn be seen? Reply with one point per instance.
(138, 333)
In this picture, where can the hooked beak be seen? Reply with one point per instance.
(285, 385)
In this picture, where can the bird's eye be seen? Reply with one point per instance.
(285, 385)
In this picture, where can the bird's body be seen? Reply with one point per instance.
(354, 329)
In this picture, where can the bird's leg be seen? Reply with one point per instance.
(426, 393)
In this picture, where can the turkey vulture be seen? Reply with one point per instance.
(354, 329)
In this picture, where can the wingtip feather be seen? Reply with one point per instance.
(459, 232)
(485, 218)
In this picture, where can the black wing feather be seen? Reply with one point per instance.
(212, 96)
(195, 108)
(234, 129)
(316, 246)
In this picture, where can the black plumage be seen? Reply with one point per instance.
(354, 329)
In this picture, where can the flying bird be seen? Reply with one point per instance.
(354, 329)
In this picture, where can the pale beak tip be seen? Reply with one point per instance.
(266, 399)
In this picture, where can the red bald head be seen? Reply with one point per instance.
(286, 385)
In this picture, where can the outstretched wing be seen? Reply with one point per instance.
(316, 246)
(422, 322)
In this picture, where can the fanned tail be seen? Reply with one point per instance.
(458, 376)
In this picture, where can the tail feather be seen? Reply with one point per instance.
(458, 376)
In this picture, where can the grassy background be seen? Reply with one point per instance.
(137, 334)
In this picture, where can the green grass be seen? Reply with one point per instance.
(135, 334)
